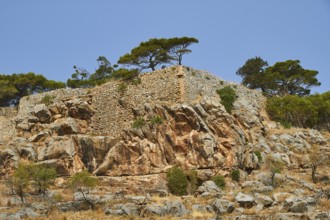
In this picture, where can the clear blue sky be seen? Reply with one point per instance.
(49, 37)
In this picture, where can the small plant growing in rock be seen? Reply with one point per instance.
(274, 166)
(48, 99)
(228, 97)
(258, 154)
(57, 197)
(177, 181)
(235, 175)
(156, 120)
(122, 87)
(138, 123)
(219, 181)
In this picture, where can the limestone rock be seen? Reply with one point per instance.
(245, 200)
(222, 206)
(209, 187)
(41, 112)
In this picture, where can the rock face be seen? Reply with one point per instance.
(173, 117)
(181, 122)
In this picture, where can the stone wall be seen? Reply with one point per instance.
(115, 107)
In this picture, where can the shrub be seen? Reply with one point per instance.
(156, 120)
(219, 181)
(138, 123)
(42, 177)
(274, 166)
(126, 74)
(228, 97)
(19, 180)
(177, 181)
(48, 99)
(122, 87)
(83, 182)
(57, 197)
(292, 110)
(235, 175)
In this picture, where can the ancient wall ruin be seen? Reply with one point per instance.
(115, 104)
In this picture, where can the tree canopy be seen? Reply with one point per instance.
(15, 86)
(81, 78)
(283, 78)
(178, 47)
(157, 51)
(309, 111)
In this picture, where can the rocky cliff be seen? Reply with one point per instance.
(174, 116)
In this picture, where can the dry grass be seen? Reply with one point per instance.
(251, 211)
(282, 130)
(323, 204)
(97, 215)
(201, 215)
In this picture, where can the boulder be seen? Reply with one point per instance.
(222, 206)
(244, 200)
(209, 187)
(175, 208)
(263, 200)
(139, 200)
(281, 196)
(124, 209)
(64, 126)
(41, 112)
(153, 209)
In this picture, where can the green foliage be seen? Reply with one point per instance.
(228, 97)
(252, 72)
(48, 99)
(126, 74)
(177, 181)
(157, 51)
(177, 47)
(235, 175)
(274, 166)
(82, 182)
(297, 111)
(14, 87)
(156, 120)
(122, 87)
(81, 78)
(138, 123)
(283, 78)
(219, 181)
(19, 181)
(147, 55)
(258, 154)
(103, 72)
(57, 197)
(42, 176)
(37, 175)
